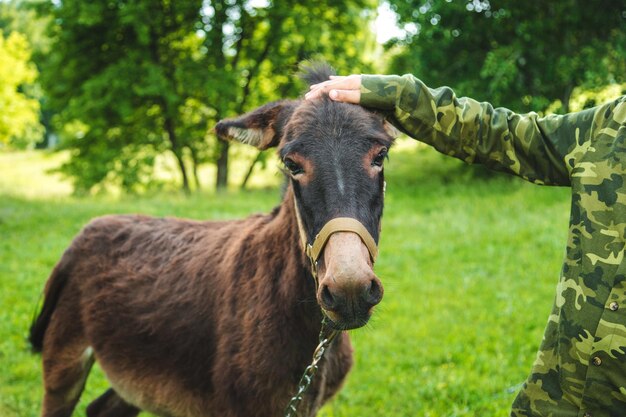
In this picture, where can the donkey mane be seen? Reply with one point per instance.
(314, 72)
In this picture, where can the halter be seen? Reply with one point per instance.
(338, 224)
(313, 252)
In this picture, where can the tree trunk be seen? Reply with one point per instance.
(567, 95)
(183, 171)
(222, 166)
(177, 151)
(244, 183)
(194, 167)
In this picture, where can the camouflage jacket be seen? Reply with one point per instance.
(580, 369)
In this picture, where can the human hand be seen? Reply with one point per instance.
(338, 88)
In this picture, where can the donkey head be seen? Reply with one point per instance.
(333, 154)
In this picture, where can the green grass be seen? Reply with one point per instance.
(469, 266)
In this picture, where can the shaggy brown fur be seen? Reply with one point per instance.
(185, 317)
(191, 318)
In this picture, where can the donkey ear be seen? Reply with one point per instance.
(261, 128)
(391, 129)
(388, 126)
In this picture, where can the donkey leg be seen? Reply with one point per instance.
(65, 374)
(67, 360)
(110, 404)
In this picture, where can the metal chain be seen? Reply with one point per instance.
(307, 377)
(326, 335)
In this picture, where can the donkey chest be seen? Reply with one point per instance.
(233, 385)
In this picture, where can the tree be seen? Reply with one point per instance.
(19, 113)
(136, 79)
(522, 55)
(262, 50)
(18, 16)
(114, 70)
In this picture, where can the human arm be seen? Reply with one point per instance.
(540, 150)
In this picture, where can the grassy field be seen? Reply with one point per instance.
(469, 265)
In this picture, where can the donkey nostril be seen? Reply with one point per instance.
(327, 299)
(374, 292)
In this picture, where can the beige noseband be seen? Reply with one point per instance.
(338, 224)
(341, 224)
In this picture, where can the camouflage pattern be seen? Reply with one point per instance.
(580, 369)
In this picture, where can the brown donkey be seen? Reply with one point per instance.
(189, 318)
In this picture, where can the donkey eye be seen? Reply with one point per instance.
(292, 166)
(380, 158)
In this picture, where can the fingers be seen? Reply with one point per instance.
(337, 82)
(347, 96)
(339, 88)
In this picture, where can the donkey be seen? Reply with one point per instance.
(201, 318)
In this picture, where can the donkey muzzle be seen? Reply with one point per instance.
(348, 288)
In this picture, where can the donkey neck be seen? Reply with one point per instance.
(297, 282)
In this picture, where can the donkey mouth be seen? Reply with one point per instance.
(341, 322)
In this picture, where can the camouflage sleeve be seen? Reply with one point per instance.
(533, 148)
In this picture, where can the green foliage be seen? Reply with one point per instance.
(584, 99)
(129, 83)
(20, 16)
(154, 76)
(19, 113)
(469, 269)
(522, 55)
